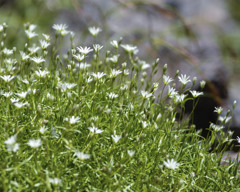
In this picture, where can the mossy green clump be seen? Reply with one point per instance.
(82, 121)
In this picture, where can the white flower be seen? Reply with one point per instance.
(216, 127)
(22, 94)
(171, 164)
(42, 129)
(14, 100)
(114, 58)
(11, 143)
(55, 181)
(95, 130)
(41, 74)
(30, 34)
(65, 86)
(98, 75)
(61, 28)
(34, 143)
(146, 95)
(20, 104)
(144, 65)
(144, 124)
(10, 61)
(112, 95)
(44, 44)
(79, 57)
(73, 120)
(7, 78)
(83, 65)
(129, 48)
(82, 155)
(196, 93)
(94, 30)
(218, 110)
(7, 94)
(33, 49)
(179, 98)
(172, 92)
(114, 43)
(50, 97)
(167, 79)
(126, 72)
(97, 47)
(84, 50)
(224, 120)
(130, 152)
(24, 56)
(38, 60)
(32, 27)
(116, 138)
(184, 79)
(7, 51)
(114, 73)
(46, 37)
(238, 139)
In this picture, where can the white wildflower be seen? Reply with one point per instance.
(94, 31)
(216, 127)
(7, 94)
(114, 73)
(130, 152)
(116, 138)
(24, 56)
(146, 95)
(22, 94)
(184, 79)
(79, 57)
(98, 75)
(42, 129)
(72, 120)
(14, 100)
(30, 34)
(55, 181)
(129, 48)
(238, 139)
(61, 28)
(84, 50)
(82, 155)
(172, 92)
(34, 143)
(11, 143)
(97, 47)
(41, 74)
(112, 95)
(7, 51)
(114, 43)
(95, 130)
(46, 37)
(83, 65)
(224, 120)
(167, 79)
(218, 110)
(20, 104)
(38, 60)
(179, 98)
(171, 164)
(114, 58)
(7, 78)
(33, 49)
(196, 93)
(44, 44)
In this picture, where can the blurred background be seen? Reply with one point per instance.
(201, 38)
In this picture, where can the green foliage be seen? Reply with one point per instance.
(82, 121)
